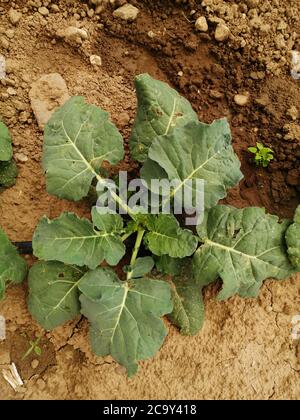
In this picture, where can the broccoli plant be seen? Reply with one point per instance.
(8, 167)
(165, 263)
(262, 155)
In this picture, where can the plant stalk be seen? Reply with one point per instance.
(135, 252)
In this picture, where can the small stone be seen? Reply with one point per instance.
(46, 94)
(215, 94)
(201, 24)
(43, 11)
(71, 33)
(222, 32)
(180, 73)
(4, 43)
(41, 384)
(14, 16)
(151, 34)
(123, 119)
(10, 33)
(96, 60)
(35, 363)
(293, 113)
(20, 157)
(241, 100)
(11, 91)
(127, 12)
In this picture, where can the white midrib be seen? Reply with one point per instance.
(232, 250)
(174, 192)
(122, 306)
(63, 299)
(171, 117)
(89, 166)
(83, 237)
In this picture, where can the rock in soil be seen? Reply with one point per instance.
(46, 94)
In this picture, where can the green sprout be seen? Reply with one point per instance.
(263, 155)
(34, 347)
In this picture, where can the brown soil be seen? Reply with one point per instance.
(245, 350)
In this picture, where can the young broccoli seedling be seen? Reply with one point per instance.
(263, 155)
(34, 348)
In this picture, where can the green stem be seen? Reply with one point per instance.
(135, 252)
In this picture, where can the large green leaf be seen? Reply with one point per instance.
(6, 150)
(196, 151)
(53, 293)
(73, 240)
(242, 246)
(125, 316)
(8, 174)
(188, 311)
(293, 240)
(13, 268)
(160, 110)
(78, 139)
(166, 237)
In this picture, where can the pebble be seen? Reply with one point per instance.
(4, 43)
(127, 12)
(96, 60)
(11, 91)
(46, 94)
(43, 11)
(293, 113)
(72, 33)
(215, 94)
(14, 16)
(10, 33)
(222, 32)
(201, 24)
(241, 100)
(41, 384)
(35, 363)
(20, 157)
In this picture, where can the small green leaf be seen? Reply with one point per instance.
(167, 238)
(293, 240)
(72, 240)
(13, 268)
(78, 139)
(188, 312)
(243, 247)
(6, 150)
(53, 293)
(160, 110)
(125, 317)
(142, 267)
(38, 350)
(252, 150)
